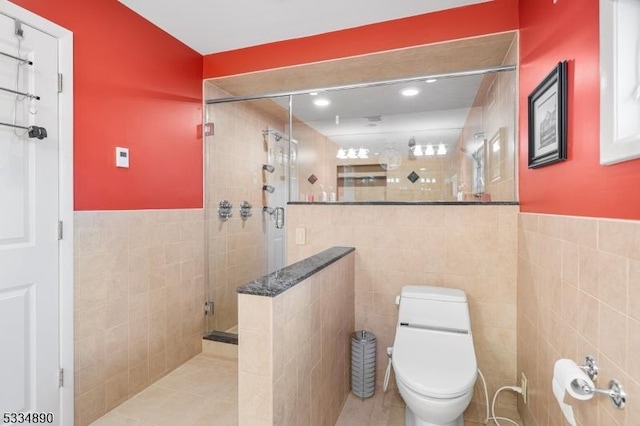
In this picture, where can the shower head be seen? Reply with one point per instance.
(268, 167)
(268, 188)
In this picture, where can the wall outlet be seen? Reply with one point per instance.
(524, 385)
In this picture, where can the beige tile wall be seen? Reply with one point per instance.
(293, 360)
(139, 290)
(468, 247)
(578, 295)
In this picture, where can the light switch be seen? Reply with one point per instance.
(301, 237)
(122, 157)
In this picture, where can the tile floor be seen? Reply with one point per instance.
(204, 392)
(386, 409)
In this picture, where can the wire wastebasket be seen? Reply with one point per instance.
(363, 363)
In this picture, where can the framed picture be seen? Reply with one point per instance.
(548, 119)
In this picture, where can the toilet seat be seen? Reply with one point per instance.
(435, 364)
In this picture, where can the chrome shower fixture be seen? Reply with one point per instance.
(224, 210)
(268, 167)
(270, 189)
(277, 213)
(245, 210)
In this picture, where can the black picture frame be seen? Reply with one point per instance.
(548, 119)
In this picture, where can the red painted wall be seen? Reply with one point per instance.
(485, 18)
(138, 87)
(550, 33)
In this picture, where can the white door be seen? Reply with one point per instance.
(29, 288)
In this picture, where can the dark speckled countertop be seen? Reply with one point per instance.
(277, 282)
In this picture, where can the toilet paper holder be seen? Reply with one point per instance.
(590, 367)
(615, 392)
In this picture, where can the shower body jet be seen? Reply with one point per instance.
(270, 189)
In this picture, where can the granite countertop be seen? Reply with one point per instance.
(277, 282)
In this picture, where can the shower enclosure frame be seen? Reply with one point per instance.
(210, 215)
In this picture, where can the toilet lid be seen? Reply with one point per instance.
(434, 363)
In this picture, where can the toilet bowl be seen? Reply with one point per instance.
(433, 356)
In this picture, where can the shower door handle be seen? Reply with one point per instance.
(279, 217)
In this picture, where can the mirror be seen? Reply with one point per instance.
(403, 139)
(417, 141)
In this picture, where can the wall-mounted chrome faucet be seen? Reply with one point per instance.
(270, 189)
(224, 210)
(245, 210)
(268, 167)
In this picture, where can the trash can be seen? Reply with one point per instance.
(363, 363)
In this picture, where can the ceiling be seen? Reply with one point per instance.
(211, 26)
(435, 115)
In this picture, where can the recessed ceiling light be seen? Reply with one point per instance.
(410, 91)
(431, 80)
(321, 102)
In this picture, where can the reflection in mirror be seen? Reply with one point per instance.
(424, 140)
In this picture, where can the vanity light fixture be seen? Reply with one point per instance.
(409, 91)
(352, 153)
(442, 150)
(429, 150)
(417, 151)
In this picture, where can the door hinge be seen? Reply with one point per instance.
(208, 308)
(18, 29)
(61, 378)
(59, 82)
(60, 230)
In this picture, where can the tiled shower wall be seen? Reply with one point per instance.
(139, 292)
(472, 247)
(578, 295)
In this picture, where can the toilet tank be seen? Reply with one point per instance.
(434, 307)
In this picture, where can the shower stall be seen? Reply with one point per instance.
(247, 185)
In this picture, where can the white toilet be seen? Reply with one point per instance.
(433, 357)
